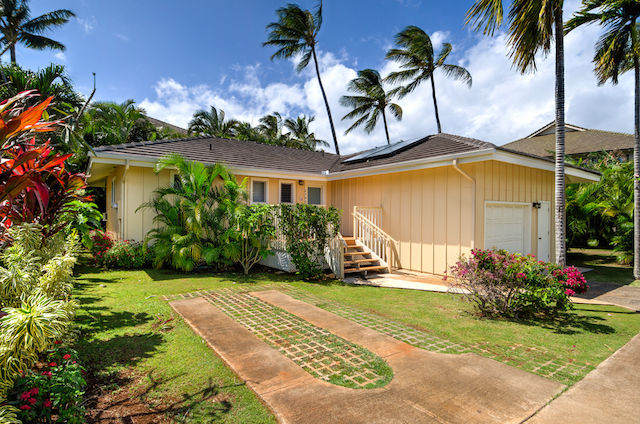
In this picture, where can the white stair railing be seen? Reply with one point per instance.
(371, 235)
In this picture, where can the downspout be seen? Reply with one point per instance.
(473, 201)
(122, 205)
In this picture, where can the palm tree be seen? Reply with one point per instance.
(271, 128)
(295, 33)
(416, 57)
(192, 212)
(17, 27)
(371, 103)
(50, 81)
(112, 123)
(299, 130)
(533, 27)
(212, 122)
(618, 51)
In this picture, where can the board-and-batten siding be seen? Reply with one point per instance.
(430, 212)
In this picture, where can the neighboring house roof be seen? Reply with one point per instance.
(160, 124)
(578, 141)
(247, 156)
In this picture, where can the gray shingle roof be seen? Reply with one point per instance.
(235, 153)
(429, 147)
(576, 142)
(248, 154)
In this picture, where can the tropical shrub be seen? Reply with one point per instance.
(53, 393)
(601, 214)
(193, 213)
(506, 284)
(246, 239)
(307, 229)
(123, 254)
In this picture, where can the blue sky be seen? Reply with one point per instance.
(173, 58)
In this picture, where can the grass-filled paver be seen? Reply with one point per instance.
(319, 352)
(544, 363)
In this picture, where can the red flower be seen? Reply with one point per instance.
(34, 391)
(52, 364)
(25, 407)
(67, 356)
(33, 401)
(57, 342)
(25, 395)
(46, 403)
(47, 373)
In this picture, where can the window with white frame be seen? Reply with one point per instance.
(259, 191)
(314, 195)
(286, 192)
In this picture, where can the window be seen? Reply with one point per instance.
(286, 192)
(258, 191)
(314, 196)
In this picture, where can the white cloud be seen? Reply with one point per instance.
(88, 24)
(502, 105)
(60, 56)
(122, 37)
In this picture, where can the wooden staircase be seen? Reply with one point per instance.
(358, 258)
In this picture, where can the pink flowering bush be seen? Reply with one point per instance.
(124, 254)
(52, 395)
(101, 241)
(506, 284)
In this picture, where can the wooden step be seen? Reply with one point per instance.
(359, 261)
(367, 268)
(356, 254)
(351, 241)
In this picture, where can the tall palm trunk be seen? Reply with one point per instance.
(326, 102)
(435, 103)
(636, 156)
(12, 49)
(561, 248)
(386, 130)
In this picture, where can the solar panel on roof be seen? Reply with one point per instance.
(383, 151)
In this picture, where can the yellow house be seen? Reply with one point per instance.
(418, 205)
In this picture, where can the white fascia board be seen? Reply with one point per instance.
(412, 165)
(530, 162)
(146, 162)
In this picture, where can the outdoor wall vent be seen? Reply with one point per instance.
(536, 205)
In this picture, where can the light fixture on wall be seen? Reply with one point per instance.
(300, 182)
(536, 205)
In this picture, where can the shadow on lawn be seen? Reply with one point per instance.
(216, 403)
(571, 323)
(125, 350)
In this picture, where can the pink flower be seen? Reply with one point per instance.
(521, 275)
(25, 407)
(46, 403)
(25, 395)
(47, 373)
(33, 401)
(34, 391)
(67, 356)
(52, 364)
(569, 292)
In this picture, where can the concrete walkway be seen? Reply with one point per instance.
(609, 394)
(427, 387)
(612, 294)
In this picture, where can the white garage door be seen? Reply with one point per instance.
(507, 227)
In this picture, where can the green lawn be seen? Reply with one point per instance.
(604, 266)
(126, 329)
